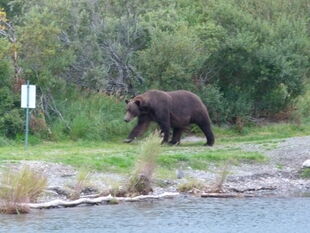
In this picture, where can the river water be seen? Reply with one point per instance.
(261, 215)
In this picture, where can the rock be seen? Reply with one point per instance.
(306, 164)
(60, 191)
(180, 173)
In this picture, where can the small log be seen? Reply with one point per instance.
(225, 195)
(253, 189)
(95, 201)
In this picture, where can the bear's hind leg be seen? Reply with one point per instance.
(206, 129)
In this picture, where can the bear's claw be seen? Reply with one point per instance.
(128, 140)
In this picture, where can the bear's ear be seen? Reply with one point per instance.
(126, 101)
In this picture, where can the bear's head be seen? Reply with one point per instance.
(133, 109)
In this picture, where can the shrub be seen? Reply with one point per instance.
(10, 114)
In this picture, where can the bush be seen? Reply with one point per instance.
(215, 102)
(172, 60)
(258, 58)
(11, 122)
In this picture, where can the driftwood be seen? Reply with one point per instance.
(253, 189)
(225, 195)
(95, 201)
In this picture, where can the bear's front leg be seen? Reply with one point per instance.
(176, 136)
(128, 140)
(138, 130)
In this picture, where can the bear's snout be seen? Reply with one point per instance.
(128, 117)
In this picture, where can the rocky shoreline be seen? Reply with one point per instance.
(279, 175)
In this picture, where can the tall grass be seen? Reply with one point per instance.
(89, 116)
(140, 181)
(18, 187)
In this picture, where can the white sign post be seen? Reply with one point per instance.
(28, 100)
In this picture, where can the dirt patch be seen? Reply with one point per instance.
(278, 175)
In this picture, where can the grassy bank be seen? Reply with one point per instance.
(262, 133)
(115, 156)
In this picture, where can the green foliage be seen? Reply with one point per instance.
(44, 57)
(11, 122)
(4, 141)
(303, 104)
(305, 173)
(244, 58)
(258, 59)
(171, 60)
(89, 116)
(215, 102)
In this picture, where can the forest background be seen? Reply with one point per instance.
(248, 60)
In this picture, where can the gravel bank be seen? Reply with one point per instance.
(279, 175)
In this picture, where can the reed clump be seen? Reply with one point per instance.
(192, 185)
(140, 181)
(221, 178)
(17, 188)
(82, 182)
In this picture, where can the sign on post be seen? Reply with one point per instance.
(28, 100)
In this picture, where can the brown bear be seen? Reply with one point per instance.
(173, 109)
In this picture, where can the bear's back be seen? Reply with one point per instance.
(186, 105)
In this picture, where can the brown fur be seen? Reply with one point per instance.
(174, 109)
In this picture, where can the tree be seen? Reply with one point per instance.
(10, 115)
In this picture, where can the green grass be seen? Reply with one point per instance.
(115, 156)
(305, 173)
(264, 133)
(199, 158)
(119, 157)
(88, 116)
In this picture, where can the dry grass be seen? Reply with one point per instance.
(17, 187)
(191, 185)
(221, 178)
(82, 181)
(196, 186)
(140, 181)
